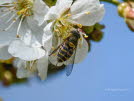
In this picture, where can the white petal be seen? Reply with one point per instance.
(87, 12)
(7, 36)
(40, 9)
(4, 54)
(19, 49)
(81, 5)
(36, 30)
(56, 11)
(25, 28)
(47, 37)
(42, 67)
(27, 38)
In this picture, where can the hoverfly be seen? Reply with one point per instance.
(66, 51)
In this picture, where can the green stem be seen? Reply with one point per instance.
(114, 2)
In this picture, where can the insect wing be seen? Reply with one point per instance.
(69, 67)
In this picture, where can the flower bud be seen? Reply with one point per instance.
(130, 24)
(88, 29)
(122, 8)
(126, 10)
(96, 35)
(7, 78)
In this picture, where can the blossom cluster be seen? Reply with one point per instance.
(30, 31)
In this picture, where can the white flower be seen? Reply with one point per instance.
(18, 16)
(65, 16)
(28, 48)
(29, 68)
(32, 57)
(85, 12)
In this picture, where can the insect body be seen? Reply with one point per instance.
(67, 50)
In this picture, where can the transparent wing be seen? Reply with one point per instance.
(82, 51)
(70, 66)
(69, 69)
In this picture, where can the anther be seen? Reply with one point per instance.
(87, 13)
(68, 15)
(85, 36)
(17, 36)
(79, 25)
(56, 30)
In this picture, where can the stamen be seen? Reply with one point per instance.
(8, 9)
(11, 24)
(79, 25)
(25, 64)
(19, 25)
(11, 18)
(5, 14)
(87, 13)
(31, 64)
(68, 15)
(8, 5)
(85, 36)
(56, 30)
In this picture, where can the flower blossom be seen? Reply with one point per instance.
(31, 56)
(18, 17)
(66, 16)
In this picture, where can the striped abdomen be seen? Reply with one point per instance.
(65, 51)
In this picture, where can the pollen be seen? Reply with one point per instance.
(18, 36)
(24, 7)
(87, 13)
(79, 25)
(85, 36)
(56, 30)
(68, 15)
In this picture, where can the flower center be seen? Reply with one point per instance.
(24, 7)
(62, 26)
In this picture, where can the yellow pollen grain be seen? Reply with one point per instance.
(87, 13)
(85, 36)
(17, 36)
(79, 25)
(24, 7)
(14, 3)
(56, 30)
(68, 15)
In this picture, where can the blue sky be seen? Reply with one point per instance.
(105, 75)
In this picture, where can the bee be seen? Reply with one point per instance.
(67, 50)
